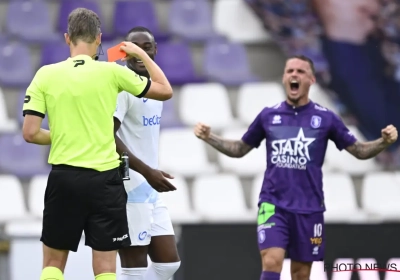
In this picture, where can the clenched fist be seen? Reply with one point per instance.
(202, 131)
(389, 134)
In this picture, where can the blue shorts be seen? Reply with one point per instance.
(301, 235)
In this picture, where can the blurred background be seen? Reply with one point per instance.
(225, 60)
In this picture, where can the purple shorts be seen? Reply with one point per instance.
(301, 235)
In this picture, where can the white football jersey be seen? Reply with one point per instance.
(140, 129)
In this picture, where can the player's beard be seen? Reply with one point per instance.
(298, 98)
(144, 73)
(294, 100)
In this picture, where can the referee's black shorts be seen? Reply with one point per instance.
(79, 199)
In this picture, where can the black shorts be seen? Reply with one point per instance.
(79, 199)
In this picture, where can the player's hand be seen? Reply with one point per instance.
(132, 50)
(158, 180)
(389, 134)
(202, 131)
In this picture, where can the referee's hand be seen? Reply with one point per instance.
(132, 50)
(158, 180)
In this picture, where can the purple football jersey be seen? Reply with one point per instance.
(296, 139)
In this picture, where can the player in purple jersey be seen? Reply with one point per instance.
(291, 204)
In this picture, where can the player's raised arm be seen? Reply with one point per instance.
(234, 148)
(231, 148)
(344, 139)
(159, 88)
(367, 150)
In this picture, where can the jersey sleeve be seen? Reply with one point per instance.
(340, 134)
(34, 102)
(255, 134)
(127, 80)
(123, 106)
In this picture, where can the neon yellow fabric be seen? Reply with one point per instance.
(79, 96)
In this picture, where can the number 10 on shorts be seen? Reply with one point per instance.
(317, 230)
(317, 239)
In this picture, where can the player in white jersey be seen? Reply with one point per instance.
(137, 125)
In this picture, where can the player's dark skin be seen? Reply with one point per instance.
(162, 249)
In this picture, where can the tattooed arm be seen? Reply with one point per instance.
(367, 150)
(231, 148)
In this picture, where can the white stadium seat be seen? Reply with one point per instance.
(380, 194)
(252, 163)
(318, 95)
(340, 199)
(6, 124)
(12, 205)
(254, 97)
(37, 189)
(28, 228)
(33, 225)
(220, 198)
(249, 29)
(178, 202)
(207, 103)
(255, 192)
(182, 153)
(344, 161)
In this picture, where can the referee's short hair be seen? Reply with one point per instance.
(83, 25)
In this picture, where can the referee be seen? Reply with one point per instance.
(84, 190)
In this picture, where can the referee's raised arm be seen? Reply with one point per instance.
(157, 88)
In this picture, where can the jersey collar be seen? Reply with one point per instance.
(298, 109)
(81, 57)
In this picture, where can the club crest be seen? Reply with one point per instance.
(261, 236)
(315, 121)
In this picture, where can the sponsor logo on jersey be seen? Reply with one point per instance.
(292, 153)
(277, 119)
(151, 121)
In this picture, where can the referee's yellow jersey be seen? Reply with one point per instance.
(79, 96)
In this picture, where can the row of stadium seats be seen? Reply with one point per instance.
(193, 20)
(206, 102)
(181, 153)
(220, 198)
(189, 158)
(223, 61)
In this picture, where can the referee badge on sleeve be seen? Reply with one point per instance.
(27, 99)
